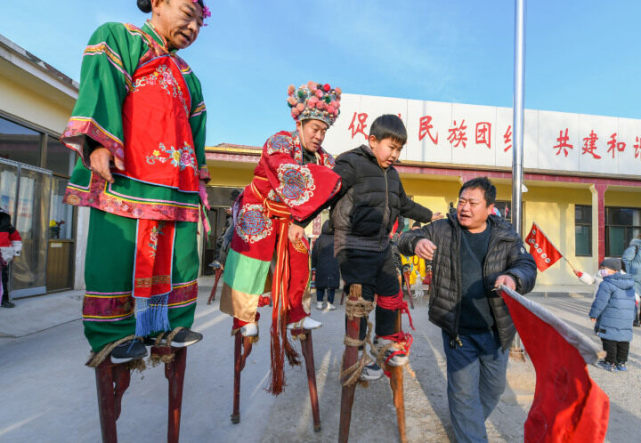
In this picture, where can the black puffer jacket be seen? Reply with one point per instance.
(370, 200)
(505, 255)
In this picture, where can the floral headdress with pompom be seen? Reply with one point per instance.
(206, 11)
(314, 101)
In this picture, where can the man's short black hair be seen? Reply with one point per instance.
(389, 126)
(484, 184)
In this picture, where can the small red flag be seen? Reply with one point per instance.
(568, 405)
(542, 249)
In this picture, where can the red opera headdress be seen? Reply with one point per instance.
(314, 101)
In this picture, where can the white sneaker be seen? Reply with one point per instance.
(371, 372)
(396, 360)
(305, 323)
(330, 307)
(319, 305)
(249, 330)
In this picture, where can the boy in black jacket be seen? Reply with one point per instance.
(370, 200)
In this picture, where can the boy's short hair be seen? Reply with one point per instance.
(485, 185)
(389, 126)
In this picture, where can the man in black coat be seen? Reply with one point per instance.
(473, 252)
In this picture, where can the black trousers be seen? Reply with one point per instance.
(376, 272)
(616, 351)
(5, 284)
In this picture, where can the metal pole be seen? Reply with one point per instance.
(517, 147)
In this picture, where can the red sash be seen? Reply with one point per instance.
(154, 254)
(159, 147)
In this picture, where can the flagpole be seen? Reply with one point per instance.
(517, 147)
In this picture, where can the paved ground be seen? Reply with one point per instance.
(48, 395)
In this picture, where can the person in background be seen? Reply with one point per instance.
(612, 313)
(10, 246)
(224, 240)
(632, 263)
(327, 275)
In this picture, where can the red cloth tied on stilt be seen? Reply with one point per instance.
(395, 302)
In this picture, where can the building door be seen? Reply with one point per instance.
(27, 194)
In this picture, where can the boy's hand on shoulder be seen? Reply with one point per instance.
(425, 249)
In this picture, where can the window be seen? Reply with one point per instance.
(59, 157)
(621, 225)
(582, 231)
(18, 143)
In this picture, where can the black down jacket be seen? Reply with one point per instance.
(328, 274)
(505, 255)
(369, 202)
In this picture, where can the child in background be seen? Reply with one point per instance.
(613, 314)
(327, 275)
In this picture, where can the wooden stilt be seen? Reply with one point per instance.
(396, 383)
(111, 383)
(349, 359)
(343, 296)
(175, 374)
(112, 380)
(308, 354)
(242, 349)
(217, 274)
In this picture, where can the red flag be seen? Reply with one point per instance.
(542, 249)
(568, 406)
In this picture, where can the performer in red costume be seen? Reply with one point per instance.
(292, 181)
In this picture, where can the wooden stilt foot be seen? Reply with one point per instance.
(308, 354)
(175, 374)
(212, 295)
(242, 349)
(396, 383)
(398, 394)
(111, 383)
(349, 359)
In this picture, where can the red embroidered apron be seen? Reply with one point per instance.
(159, 150)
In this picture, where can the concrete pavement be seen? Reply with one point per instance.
(49, 395)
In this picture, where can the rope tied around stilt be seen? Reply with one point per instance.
(156, 359)
(357, 309)
(96, 358)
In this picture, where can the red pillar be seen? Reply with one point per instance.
(600, 190)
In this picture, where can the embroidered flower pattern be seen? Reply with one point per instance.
(297, 184)
(253, 224)
(156, 232)
(279, 143)
(164, 78)
(181, 158)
